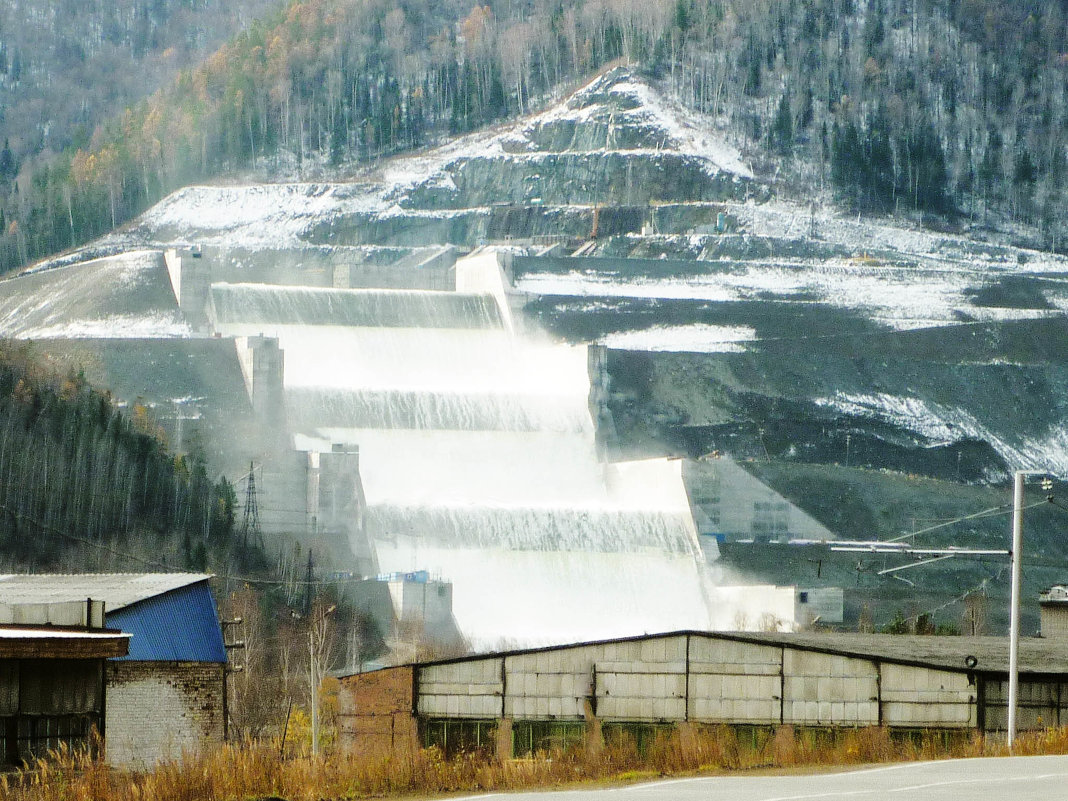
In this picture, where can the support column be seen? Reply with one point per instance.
(784, 744)
(594, 737)
(504, 739)
(604, 424)
(190, 277)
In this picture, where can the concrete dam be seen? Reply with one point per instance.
(414, 429)
(478, 458)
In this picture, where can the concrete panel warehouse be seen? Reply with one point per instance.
(519, 702)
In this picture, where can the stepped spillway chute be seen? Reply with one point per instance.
(233, 304)
(458, 468)
(450, 378)
(478, 456)
(505, 597)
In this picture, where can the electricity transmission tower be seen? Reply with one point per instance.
(250, 527)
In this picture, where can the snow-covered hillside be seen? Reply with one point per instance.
(553, 151)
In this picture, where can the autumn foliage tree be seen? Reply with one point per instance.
(946, 98)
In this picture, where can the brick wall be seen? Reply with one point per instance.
(375, 713)
(1054, 619)
(157, 710)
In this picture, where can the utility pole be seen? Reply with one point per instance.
(1014, 592)
(230, 668)
(313, 668)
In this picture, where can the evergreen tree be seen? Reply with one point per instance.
(805, 114)
(874, 28)
(927, 180)
(339, 144)
(782, 129)
(753, 75)
(990, 166)
(1024, 171)
(8, 168)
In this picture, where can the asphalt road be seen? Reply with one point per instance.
(1043, 778)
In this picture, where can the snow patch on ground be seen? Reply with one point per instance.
(944, 425)
(581, 284)
(256, 215)
(793, 221)
(690, 132)
(901, 297)
(687, 132)
(937, 423)
(116, 327)
(128, 267)
(698, 338)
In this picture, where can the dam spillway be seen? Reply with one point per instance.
(479, 460)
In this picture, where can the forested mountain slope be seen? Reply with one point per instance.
(954, 108)
(826, 345)
(66, 67)
(84, 485)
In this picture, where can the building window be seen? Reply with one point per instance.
(24, 738)
(771, 520)
(455, 737)
(641, 737)
(530, 737)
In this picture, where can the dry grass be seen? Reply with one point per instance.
(255, 770)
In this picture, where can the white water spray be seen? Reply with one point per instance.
(479, 463)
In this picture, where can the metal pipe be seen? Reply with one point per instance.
(876, 547)
(890, 570)
(1014, 602)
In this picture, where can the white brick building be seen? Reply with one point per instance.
(167, 695)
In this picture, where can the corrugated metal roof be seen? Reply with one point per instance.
(116, 590)
(1038, 656)
(178, 626)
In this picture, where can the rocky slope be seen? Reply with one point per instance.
(797, 336)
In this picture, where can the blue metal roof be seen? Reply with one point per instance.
(177, 626)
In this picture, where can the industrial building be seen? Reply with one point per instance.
(164, 695)
(730, 504)
(1053, 611)
(523, 701)
(52, 686)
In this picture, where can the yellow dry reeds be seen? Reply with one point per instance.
(255, 770)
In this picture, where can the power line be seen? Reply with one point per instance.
(22, 517)
(993, 510)
(19, 516)
(982, 585)
(1001, 571)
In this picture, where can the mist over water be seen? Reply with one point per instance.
(479, 463)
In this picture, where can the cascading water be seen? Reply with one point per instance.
(395, 308)
(479, 463)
